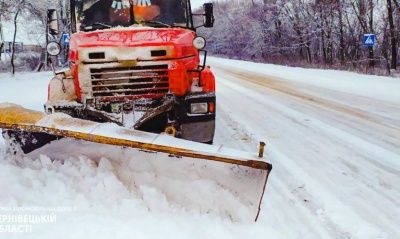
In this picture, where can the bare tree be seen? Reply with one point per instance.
(3, 10)
(393, 40)
(341, 33)
(1, 38)
(18, 9)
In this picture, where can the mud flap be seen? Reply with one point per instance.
(221, 181)
(199, 131)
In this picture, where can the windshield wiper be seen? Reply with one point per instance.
(156, 23)
(95, 26)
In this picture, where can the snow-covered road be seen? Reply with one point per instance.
(335, 150)
(333, 139)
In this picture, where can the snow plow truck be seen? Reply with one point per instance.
(136, 79)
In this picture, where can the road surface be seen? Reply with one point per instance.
(336, 155)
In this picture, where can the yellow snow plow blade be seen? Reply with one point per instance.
(236, 178)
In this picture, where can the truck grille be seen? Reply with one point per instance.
(123, 83)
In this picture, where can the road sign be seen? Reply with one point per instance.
(369, 40)
(65, 38)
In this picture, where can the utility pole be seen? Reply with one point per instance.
(1, 39)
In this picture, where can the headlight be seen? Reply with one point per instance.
(198, 108)
(53, 48)
(199, 43)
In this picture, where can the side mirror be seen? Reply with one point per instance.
(52, 21)
(208, 14)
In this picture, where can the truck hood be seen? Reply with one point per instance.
(133, 36)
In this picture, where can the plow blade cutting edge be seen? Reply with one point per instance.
(235, 179)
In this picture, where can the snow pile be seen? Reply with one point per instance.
(99, 194)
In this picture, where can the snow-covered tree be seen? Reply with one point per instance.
(312, 32)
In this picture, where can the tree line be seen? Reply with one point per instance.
(315, 33)
(319, 33)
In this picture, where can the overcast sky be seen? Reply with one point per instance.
(198, 3)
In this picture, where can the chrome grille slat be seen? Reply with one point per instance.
(124, 90)
(136, 81)
(131, 84)
(128, 78)
(127, 72)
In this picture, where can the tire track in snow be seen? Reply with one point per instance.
(294, 89)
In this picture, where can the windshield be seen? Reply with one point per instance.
(102, 14)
